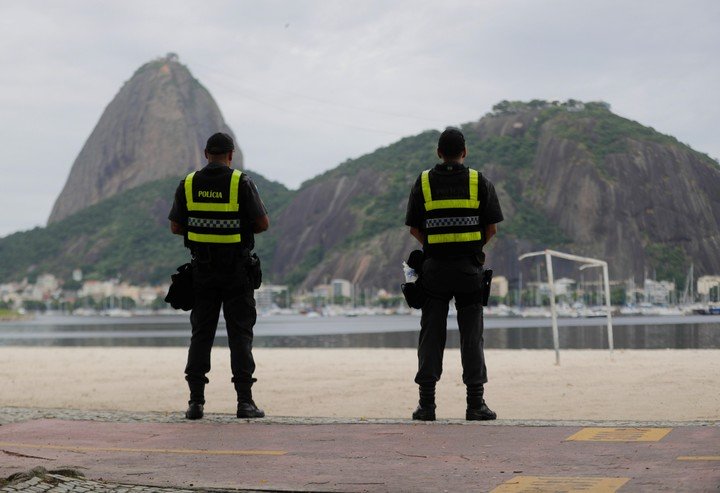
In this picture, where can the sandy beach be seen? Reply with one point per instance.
(373, 383)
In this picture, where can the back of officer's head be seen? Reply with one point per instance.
(219, 144)
(451, 144)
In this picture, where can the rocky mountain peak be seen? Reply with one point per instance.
(155, 127)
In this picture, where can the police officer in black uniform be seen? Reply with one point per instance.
(452, 211)
(218, 210)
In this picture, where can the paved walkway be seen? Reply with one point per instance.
(154, 452)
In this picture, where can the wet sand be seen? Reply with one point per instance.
(675, 385)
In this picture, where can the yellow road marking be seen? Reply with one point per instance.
(620, 435)
(534, 484)
(143, 450)
(699, 457)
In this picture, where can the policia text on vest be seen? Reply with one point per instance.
(210, 194)
(218, 211)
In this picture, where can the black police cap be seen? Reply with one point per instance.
(451, 142)
(220, 143)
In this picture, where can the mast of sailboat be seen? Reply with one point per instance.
(688, 292)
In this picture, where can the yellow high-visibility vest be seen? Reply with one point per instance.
(452, 219)
(213, 221)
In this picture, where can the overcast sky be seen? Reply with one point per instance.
(307, 84)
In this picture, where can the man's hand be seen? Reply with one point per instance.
(419, 236)
(261, 224)
(490, 231)
(176, 228)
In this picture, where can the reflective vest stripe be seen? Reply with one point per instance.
(188, 191)
(208, 238)
(471, 203)
(452, 204)
(427, 194)
(454, 237)
(474, 179)
(231, 206)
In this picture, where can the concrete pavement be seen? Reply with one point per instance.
(286, 454)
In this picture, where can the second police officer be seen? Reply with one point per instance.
(452, 211)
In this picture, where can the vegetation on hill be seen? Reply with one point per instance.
(668, 262)
(516, 152)
(125, 236)
(403, 161)
(128, 235)
(593, 124)
(507, 142)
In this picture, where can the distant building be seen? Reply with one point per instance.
(265, 296)
(46, 287)
(564, 286)
(706, 283)
(11, 293)
(96, 290)
(499, 287)
(323, 291)
(543, 287)
(341, 288)
(47, 282)
(658, 292)
(148, 294)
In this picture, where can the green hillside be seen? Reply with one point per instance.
(402, 162)
(127, 235)
(569, 175)
(595, 127)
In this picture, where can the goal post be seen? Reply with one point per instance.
(587, 262)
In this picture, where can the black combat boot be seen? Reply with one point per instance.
(426, 407)
(196, 402)
(194, 410)
(477, 410)
(246, 407)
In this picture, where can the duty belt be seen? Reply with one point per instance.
(204, 254)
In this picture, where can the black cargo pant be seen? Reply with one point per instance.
(443, 279)
(221, 280)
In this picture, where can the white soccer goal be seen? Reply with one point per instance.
(587, 263)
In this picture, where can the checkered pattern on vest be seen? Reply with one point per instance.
(444, 222)
(213, 223)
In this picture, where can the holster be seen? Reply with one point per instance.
(485, 286)
(415, 260)
(414, 295)
(181, 295)
(254, 270)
